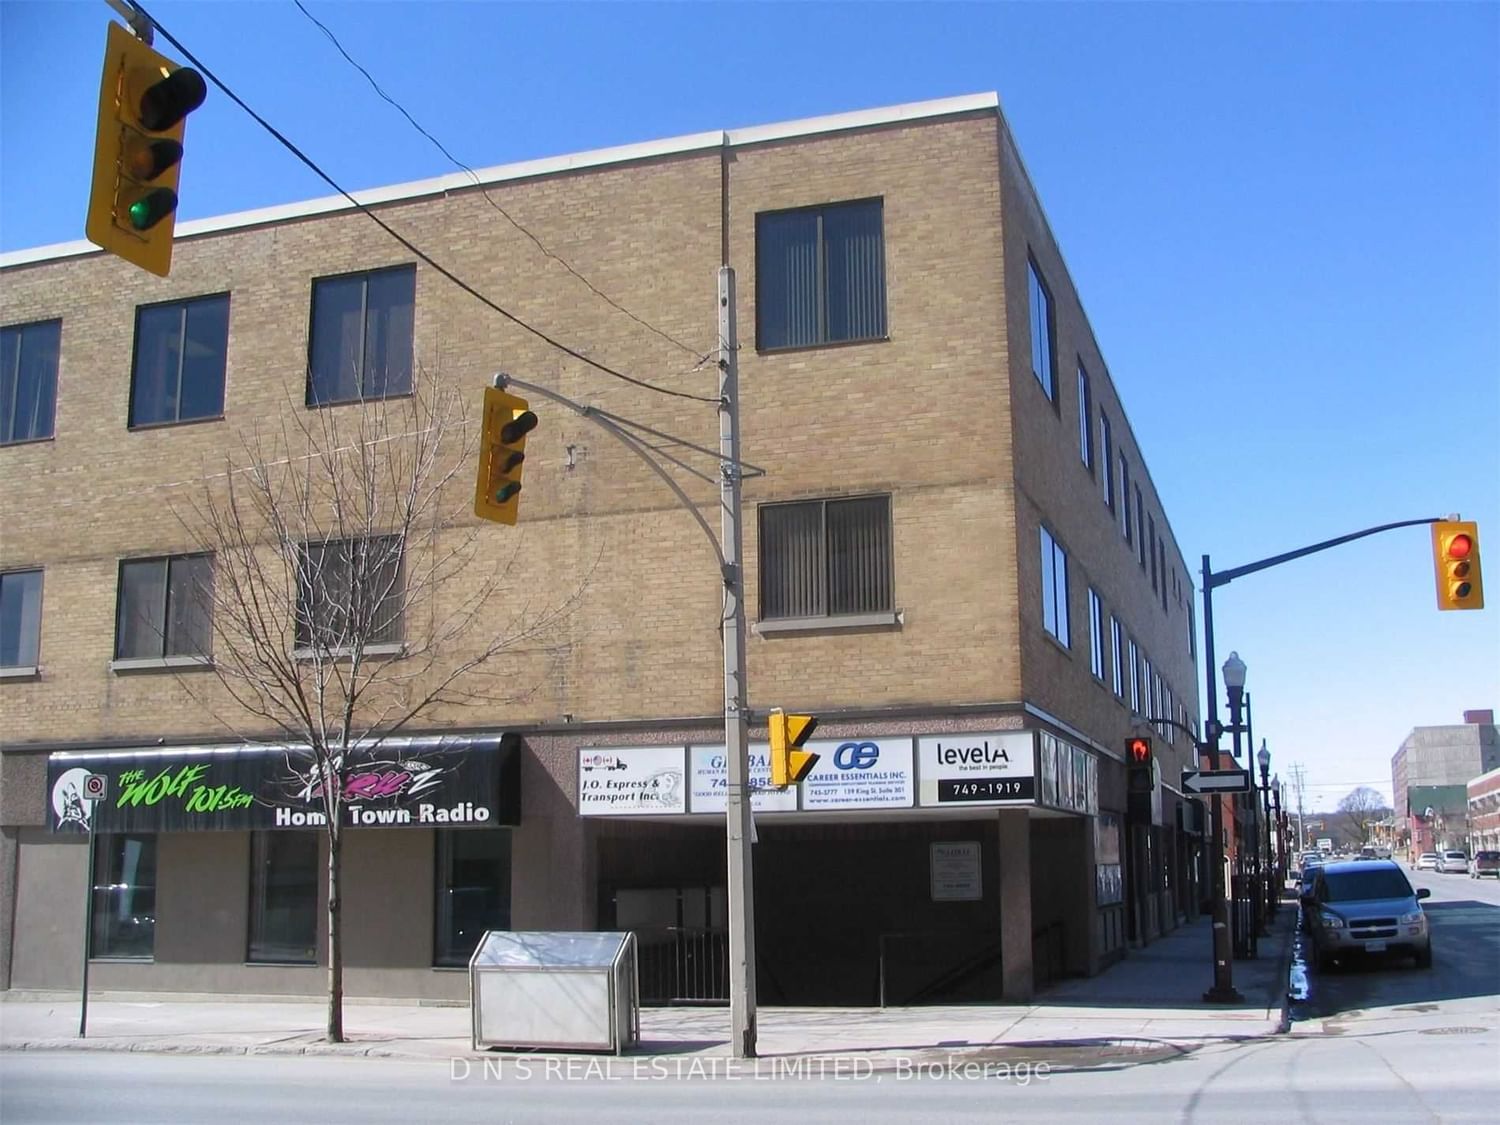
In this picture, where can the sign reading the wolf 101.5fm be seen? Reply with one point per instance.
(407, 782)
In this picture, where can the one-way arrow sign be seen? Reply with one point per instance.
(1216, 781)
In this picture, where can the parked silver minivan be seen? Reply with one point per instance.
(1366, 908)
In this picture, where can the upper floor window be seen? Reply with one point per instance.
(1107, 459)
(28, 380)
(1040, 301)
(1140, 526)
(1192, 631)
(1085, 419)
(361, 342)
(1134, 670)
(1117, 655)
(1125, 498)
(1151, 549)
(1096, 634)
(826, 558)
(820, 275)
(180, 351)
(1055, 588)
(165, 608)
(350, 594)
(20, 618)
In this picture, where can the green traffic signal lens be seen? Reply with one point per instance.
(152, 208)
(506, 491)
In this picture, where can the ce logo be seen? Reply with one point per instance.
(856, 755)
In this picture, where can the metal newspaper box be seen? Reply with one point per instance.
(555, 990)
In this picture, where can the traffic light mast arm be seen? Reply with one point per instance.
(502, 381)
(136, 17)
(1213, 579)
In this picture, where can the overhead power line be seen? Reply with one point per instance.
(473, 175)
(402, 239)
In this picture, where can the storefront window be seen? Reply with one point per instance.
(124, 897)
(473, 890)
(284, 897)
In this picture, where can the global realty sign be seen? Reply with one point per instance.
(399, 782)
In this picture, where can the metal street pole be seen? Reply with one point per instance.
(737, 807)
(1223, 990)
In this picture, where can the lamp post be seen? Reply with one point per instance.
(1263, 759)
(1276, 788)
(1222, 990)
(1234, 685)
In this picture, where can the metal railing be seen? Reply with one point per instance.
(683, 965)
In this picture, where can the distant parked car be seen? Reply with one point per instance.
(1485, 863)
(1453, 863)
(1427, 861)
(1366, 908)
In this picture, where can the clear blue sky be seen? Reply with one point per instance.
(1284, 221)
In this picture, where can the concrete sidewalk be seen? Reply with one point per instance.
(1147, 1006)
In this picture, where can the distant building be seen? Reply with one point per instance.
(1484, 812)
(1430, 772)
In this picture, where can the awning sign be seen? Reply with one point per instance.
(996, 768)
(407, 782)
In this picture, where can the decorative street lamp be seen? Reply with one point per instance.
(1264, 760)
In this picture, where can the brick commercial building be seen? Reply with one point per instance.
(954, 555)
(1430, 772)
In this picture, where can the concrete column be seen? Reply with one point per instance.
(1015, 903)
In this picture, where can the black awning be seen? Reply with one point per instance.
(470, 781)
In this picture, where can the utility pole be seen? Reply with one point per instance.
(1297, 782)
(736, 735)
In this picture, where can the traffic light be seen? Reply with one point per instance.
(502, 454)
(143, 100)
(1455, 557)
(789, 762)
(1140, 777)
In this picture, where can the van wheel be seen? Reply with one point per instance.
(1424, 958)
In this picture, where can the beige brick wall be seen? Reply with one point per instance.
(944, 415)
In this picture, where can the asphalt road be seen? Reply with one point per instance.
(1384, 1042)
(1464, 915)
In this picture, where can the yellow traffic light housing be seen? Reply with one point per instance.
(144, 99)
(789, 762)
(502, 454)
(1455, 558)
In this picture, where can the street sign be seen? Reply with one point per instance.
(1216, 781)
(95, 786)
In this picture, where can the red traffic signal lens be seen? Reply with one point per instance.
(1460, 546)
(1140, 751)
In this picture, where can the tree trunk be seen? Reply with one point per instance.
(335, 940)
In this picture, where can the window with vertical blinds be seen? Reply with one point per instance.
(820, 275)
(825, 558)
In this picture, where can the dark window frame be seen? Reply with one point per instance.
(836, 586)
(1097, 661)
(1056, 620)
(376, 629)
(261, 946)
(1085, 418)
(162, 630)
(185, 306)
(447, 952)
(1047, 339)
(316, 399)
(35, 612)
(823, 331)
(124, 929)
(1107, 459)
(44, 422)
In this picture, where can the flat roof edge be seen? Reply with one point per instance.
(595, 158)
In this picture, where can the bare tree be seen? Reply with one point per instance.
(1362, 807)
(350, 592)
